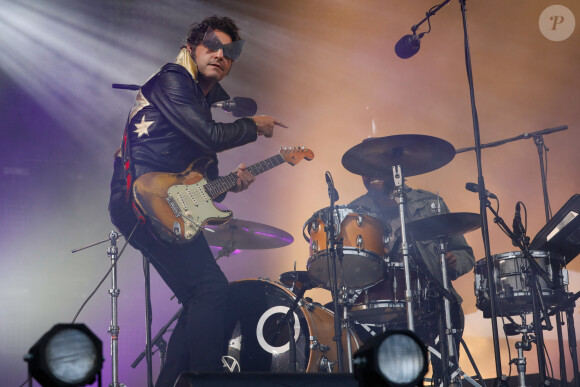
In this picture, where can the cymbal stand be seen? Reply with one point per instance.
(346, 319)
(451, 351)
(334, 256)
(112, 252)
(400, 186)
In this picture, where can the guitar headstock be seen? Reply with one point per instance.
(292, 155)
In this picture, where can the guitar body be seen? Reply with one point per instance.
(176, 205)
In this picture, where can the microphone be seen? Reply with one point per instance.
(517, 225)
(238, 106)
(408, 45)
(332, 192)
(475, 188)
(125, 87)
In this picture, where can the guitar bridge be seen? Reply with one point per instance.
(174, 206)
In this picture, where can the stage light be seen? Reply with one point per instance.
(395, 358)
(68, 355)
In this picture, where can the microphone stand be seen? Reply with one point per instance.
(537, 302)
(290, 321)
(539, 141)
(334, 256)
(482, 200)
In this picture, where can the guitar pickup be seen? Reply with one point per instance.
(174, 206)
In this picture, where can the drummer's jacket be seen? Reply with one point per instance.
(423, 204)
(170, 126)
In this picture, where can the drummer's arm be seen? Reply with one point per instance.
(462, 253)
(458, 252)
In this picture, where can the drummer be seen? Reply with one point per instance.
(420, 204)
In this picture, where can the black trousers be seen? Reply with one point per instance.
(191, 272)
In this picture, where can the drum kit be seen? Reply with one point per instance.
(375, 289)
(347, 256)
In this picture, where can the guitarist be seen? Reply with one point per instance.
(170, 126)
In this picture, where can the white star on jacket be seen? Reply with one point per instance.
(143, 127)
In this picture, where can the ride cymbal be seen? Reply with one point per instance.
(415, 153)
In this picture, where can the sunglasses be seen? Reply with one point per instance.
(231, 50)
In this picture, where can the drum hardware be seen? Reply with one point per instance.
(114, 292)
(255, 310)
(289, 320)
(159, 341)
(411, 154)
(297, 280)
(513, 329)
(533, 275)
(539, 242)
(440, 227)
(332, 263)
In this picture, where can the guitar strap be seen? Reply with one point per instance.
(129, 170)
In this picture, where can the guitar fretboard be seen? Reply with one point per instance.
(225, 183)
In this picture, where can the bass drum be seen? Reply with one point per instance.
(259, 336)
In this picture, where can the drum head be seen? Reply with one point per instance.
(258, 336)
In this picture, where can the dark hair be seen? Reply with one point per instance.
(197, 31)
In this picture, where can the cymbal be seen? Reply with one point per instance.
(243, 234)
(298, 279)
(443, 225)
(415, 153)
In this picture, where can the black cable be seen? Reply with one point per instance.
(546, 175)
(106, 274)
(507, 341)
(551, 370)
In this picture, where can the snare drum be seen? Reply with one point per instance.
(362, 236)
(259, 342)
(513, 293)
(385, 302)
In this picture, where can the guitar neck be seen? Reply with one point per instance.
(218, 186)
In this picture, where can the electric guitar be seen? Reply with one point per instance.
(178, 205)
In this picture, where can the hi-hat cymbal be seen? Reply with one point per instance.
(443, 225)
(415, 153)
(246, 235)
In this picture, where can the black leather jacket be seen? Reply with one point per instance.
(179, 124)
(170, 125)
